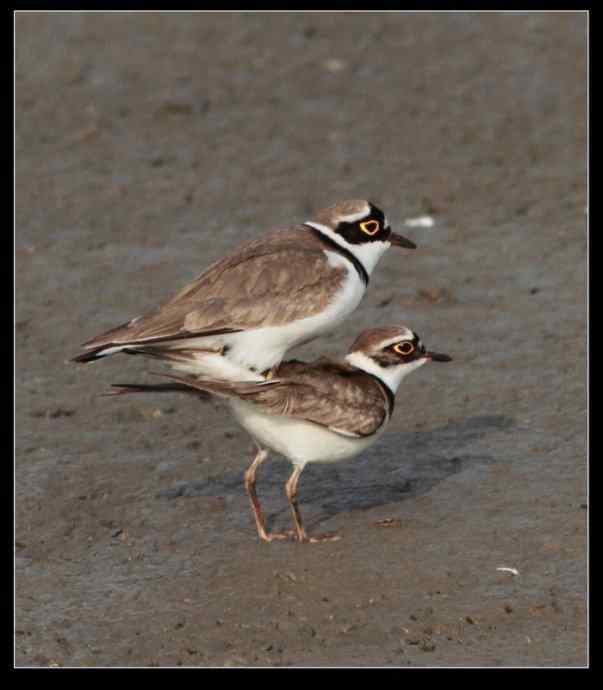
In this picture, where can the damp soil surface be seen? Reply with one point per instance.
(147, 146)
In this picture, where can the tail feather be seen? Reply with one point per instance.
(102, 340)
(126, 388)
(93, 355)
(181, 355)
(202, 387)
(102, 346)
(226, 389)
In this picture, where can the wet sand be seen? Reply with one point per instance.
(148, 146)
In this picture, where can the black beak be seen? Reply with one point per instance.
(399, 241)
(437, 357)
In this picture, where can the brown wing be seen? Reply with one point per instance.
(331, 394)
(324, 392)
(282, 277)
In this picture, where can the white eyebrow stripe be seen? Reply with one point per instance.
(353, 217)
(405, 334)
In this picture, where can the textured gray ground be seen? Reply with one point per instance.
(149, 145)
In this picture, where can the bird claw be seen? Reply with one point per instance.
(329, 536)
(278, 536)
(292, 535)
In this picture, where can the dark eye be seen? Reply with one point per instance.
(370, 227)
(404, 348)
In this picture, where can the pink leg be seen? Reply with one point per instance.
(291, 489)
(262, 454)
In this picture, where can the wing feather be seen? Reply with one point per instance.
(271, 281)
(324, 392)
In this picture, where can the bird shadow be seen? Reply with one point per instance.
(400, 466)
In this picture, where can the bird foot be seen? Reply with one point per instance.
(329, 536)
(290, 535)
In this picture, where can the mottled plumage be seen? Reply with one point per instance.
(331, 394)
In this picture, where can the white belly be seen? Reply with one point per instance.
(259, 349)
(299, 441)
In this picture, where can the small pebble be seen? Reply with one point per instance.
(175, 108)
(420, 222)
(388, 522)
(434, 295)
(334, 65)
(165, 466)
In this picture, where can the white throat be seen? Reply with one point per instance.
(390, 376)
(368, 253)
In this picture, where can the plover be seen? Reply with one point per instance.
(238, 318)
(322, 411)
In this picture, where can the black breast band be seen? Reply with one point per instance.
(389, 394)
(325, 239)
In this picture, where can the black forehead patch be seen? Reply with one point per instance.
(376, 213)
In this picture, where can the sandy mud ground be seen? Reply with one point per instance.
(149, 145)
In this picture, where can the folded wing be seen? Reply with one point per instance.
(326, 393)
(268, 282)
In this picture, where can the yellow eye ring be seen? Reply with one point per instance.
(370, 227)
(405, 348)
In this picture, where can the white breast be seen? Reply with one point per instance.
(299, 441)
